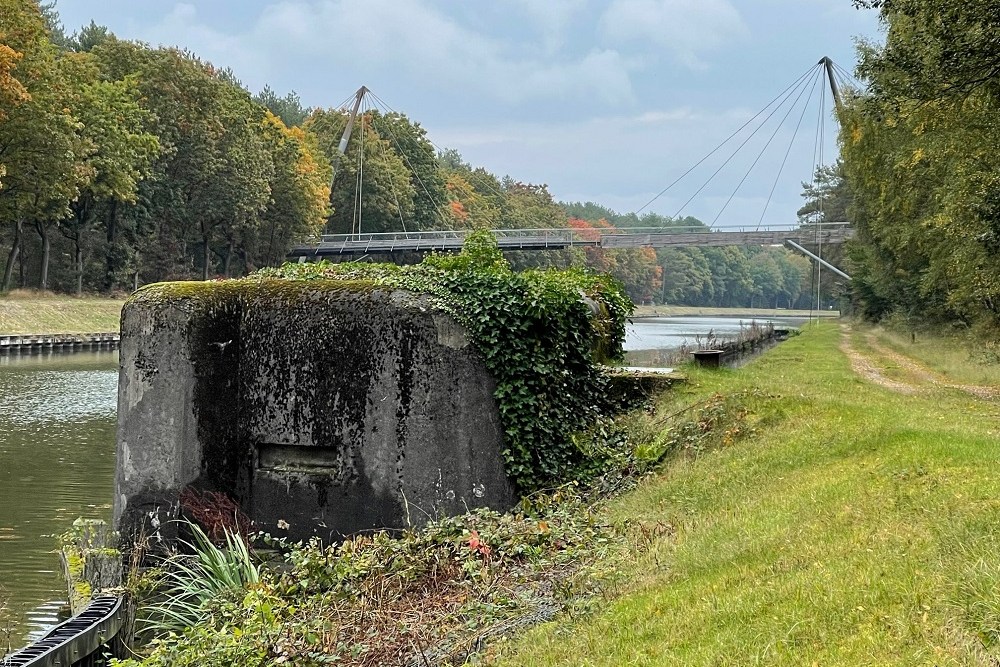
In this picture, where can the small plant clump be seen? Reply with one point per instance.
(537, 333)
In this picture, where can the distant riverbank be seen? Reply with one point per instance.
(698, 311)
(44, 313)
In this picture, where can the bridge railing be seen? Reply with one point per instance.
(561, 235)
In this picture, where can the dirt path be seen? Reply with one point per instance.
(921, 378)
(866, 368)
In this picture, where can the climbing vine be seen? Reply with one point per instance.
(542, 335)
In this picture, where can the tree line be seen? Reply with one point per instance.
(919, 149)
(123, 164)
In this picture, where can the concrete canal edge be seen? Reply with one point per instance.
(12, 344)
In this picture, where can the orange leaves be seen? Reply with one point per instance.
(478, 546)
(458, 212)
(12, 91)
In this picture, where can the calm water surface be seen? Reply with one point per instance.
(647, 336)
(57, 463)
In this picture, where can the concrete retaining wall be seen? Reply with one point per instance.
(328, 407)
(41, 343)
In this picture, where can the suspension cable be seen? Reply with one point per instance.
(794, 85)
(437, 207)
(745, 141)
(784, 160)
(356, 221)
(763, 150)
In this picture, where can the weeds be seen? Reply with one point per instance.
(7, 624)
(379, 599)
(194, 586)
(438, 594)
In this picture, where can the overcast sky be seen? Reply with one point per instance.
(603, 100)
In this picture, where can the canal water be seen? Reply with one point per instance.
(57, 444)
(652, 341)
(57, 463)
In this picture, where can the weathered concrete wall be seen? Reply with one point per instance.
(333, 407)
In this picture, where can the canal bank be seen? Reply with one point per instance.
(853, 523)
(806, 513)
(77, 436)
(31, 313)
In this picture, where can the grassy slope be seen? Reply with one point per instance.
(50, 314)
(858, 526)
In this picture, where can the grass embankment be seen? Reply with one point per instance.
(698, 311)
(859, 523)
(41, 313)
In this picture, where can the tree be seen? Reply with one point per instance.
(288, 108)
(935, 50)
(300, 195)
(89, 37)
(917, 149)
(120, 156)
(409, 140)
(466, 206)
(767, 277)
(39, 142)
(828, 197)
(372, 191)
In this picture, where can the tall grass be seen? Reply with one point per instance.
(191, 583)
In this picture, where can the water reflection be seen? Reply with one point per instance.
(57, 461)
(650, 341)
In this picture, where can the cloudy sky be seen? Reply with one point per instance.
(603, 100)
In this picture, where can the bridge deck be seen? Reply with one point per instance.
(557, 239)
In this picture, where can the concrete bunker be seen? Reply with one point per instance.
(320, 407)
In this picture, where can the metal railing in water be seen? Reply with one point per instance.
(77, 642)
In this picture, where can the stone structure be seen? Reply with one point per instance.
(326, 407)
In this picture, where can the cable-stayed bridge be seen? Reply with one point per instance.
(559, 238)
(796, 98)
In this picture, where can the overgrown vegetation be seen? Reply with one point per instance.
(799, 514)
(441, 594)
(541, 334)
(917, 149)
(203, 578)
(7, 624)
(429, 596)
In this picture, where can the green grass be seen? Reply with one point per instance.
(956, 356)
(855, 526)
(34, 313)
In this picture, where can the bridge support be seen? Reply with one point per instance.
(795, 246)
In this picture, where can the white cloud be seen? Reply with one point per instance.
(552, 18)
(670, 116)
(685, 28)
(386, 38)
